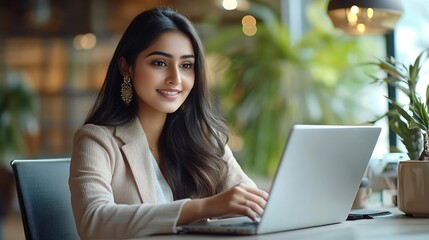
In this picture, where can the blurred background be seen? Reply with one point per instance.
(272, 63)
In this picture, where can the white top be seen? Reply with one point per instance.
(163, 190)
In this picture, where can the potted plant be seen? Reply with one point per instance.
(410, 122)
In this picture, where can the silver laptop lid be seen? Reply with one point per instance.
(318, 176)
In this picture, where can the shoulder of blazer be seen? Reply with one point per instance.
(130, 132)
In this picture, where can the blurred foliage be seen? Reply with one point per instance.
(17, 112)
(267, 83)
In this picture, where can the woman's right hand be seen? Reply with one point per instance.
(239, 200)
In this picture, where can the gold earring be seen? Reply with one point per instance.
(126, 90)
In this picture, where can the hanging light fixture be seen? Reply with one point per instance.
(361, 17)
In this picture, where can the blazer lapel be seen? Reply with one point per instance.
(137, 153)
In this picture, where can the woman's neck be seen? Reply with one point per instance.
(152, 124)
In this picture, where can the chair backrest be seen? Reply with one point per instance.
(44, 198)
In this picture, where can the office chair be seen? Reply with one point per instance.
(44, 198)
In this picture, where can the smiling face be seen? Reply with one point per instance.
(163, 74)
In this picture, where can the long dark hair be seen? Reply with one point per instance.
(194, 137)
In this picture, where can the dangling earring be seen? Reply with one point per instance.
(126, 90)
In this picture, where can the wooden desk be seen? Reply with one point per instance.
(397, 226)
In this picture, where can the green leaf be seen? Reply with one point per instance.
(401, 111)
(427, 97)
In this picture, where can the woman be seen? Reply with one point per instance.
(152, 154)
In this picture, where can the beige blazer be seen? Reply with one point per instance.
(113, 195)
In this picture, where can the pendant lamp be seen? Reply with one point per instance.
(362, 17)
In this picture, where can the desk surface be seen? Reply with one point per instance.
(396, 226)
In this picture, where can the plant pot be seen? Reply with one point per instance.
(413, 188)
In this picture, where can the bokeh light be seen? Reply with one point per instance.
(229, 4)
(84, 41)
(249, 25)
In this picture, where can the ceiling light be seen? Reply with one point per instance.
(360, 17)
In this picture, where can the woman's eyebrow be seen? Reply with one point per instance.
(169, 55)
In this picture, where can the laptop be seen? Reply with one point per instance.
(315, 184)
